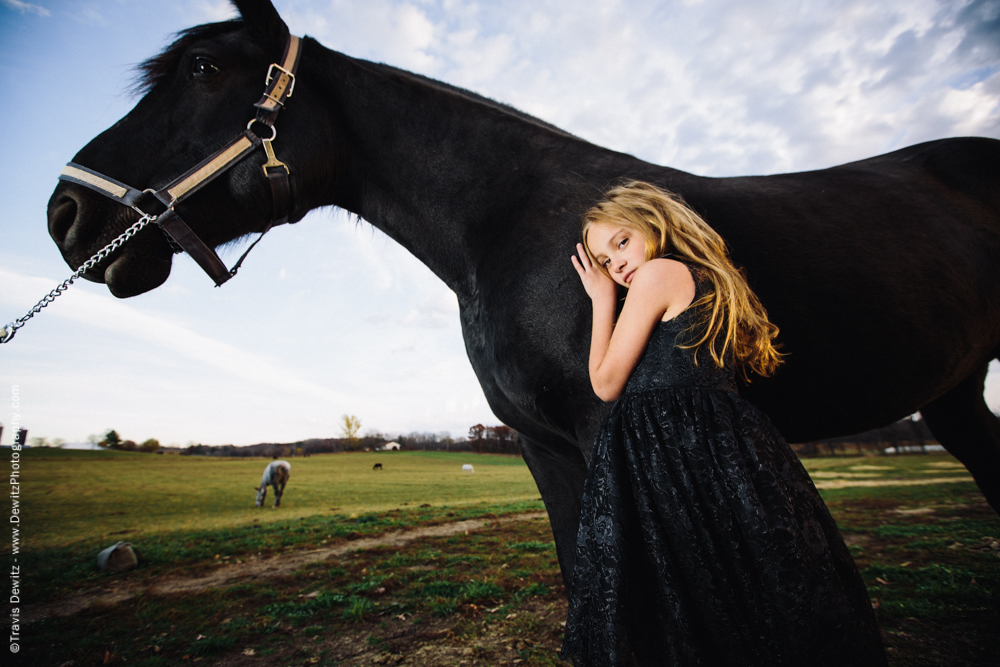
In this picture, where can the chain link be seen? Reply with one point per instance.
(7, 333)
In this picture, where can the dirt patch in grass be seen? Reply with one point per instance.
(844, 483)
(933, 574)
(489, 596)
(253, 569)
(531, 635)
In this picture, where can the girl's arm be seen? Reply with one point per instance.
(660, 290)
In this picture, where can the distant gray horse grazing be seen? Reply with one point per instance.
(275, 474)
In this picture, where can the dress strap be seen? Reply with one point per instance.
(676, 258)
(683, 260)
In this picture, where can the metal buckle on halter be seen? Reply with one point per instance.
(272, 160)
(174, 246)
(147, 191)
(270, 76)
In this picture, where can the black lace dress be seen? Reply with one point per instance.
(702, 539)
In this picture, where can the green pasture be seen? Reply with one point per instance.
(905, 478)
(69, 496)
(923, 537)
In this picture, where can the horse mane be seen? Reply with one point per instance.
(153, 70)
(150, 72)
(469, 95)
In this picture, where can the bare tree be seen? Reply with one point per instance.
(494, 439)
(349, 426)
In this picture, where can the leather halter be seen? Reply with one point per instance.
(280, 83)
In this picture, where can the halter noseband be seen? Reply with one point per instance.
(280, 83)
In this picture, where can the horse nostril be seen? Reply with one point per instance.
(63, 209)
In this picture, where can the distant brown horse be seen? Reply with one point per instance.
(276, 474)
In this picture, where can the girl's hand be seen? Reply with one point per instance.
(598, 284)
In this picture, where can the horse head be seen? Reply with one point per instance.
(199, 94)
(261, 494)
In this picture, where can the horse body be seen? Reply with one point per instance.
(276, 474)
(867, 293)
(881, 274)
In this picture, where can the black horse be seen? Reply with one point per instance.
(882, 274)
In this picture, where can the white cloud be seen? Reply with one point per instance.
(974, 108)
(992, 390)
(209, 11)
(27, 7)
(106, 312)
(719, 88)
(435, 312)
(398, 32)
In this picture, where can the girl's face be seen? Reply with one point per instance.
(619, 250)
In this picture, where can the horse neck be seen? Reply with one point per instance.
(439, 170)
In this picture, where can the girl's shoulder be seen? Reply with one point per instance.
(662, 281)
(698, 273)
(662, 271)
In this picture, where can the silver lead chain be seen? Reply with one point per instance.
(7, 333)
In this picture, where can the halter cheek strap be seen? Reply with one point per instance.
(279, 85)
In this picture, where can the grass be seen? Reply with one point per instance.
(385, 600)
(108, 496)
(930, 555)
(61, 569)
(98, 497)
(927, 556)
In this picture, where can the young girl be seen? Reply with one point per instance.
(702, 539)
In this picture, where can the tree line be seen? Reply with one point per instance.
(481, 439)
(494, 440)
(489, 440)
(112, 440)
(908, 432)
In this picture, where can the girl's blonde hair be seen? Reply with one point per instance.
(731, 318)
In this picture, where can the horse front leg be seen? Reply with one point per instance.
(559, 474)
(963, 424)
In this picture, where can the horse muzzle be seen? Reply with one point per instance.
(80, 223)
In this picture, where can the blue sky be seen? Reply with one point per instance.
(328, 316)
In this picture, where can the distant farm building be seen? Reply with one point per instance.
(89, 446)
(391, 446)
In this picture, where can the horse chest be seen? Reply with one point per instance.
(530, 362)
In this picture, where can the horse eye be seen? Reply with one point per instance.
(203, 67)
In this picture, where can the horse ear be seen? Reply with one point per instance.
(263, 23)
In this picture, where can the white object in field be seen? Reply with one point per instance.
(118, 558)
